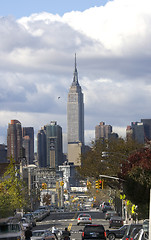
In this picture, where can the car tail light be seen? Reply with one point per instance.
(127, 239)
(131, 238)
(104, 234)
(83, 234)
(89, 218)
(78, 218)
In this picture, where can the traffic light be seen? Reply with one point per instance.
(100, 183)
(61, 183)
(97, 184)
(44, 185)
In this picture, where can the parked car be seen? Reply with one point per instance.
(115, 222)
(94, 232)
(46, 209)
(129, 230)
(105, 206)
(84, 218)
(110, 214)
(42, 235)
(116, 233)
(10, 228)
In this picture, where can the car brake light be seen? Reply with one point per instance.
(104, 234)
(89, 218)
(78, 218)
(83, 234)
(127, 239)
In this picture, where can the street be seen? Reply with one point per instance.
(69, 219)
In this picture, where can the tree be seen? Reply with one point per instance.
(106, 157)
(13, 191)
(137, 174)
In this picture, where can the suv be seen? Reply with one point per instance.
(115, 222)
(129, 230)
(10, 229)
(94, 232)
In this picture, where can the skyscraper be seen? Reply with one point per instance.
(29, 131)
(102, 131)
(14, 140)
(54, 145)
(49, 146)
(75, 119)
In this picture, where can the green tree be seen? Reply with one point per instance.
(106, 156)
(13, 192)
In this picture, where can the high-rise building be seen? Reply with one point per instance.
(54, 145)
(75, 119)
(3, 153)
(14, 141)
(41, 147)
(103, 131)
(29, 132)
(147, 129)
(135, 132)
(26, 146)
(49, 146)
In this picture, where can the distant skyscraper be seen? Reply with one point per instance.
(49, 146)
(54, 145)
(147, 129)
(75, 119)
(103, 131)
(135, 132)
(41, 147)
(26, 146)
(29, 131)
(14, 140)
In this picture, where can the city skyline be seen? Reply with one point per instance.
(112, 42)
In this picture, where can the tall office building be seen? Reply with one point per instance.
(28, 132)
(41, 147)
(75, 120)
(14, 140)
(147, 129)
(49, 146)
(54, 145)
(103, 131)
(136, 132)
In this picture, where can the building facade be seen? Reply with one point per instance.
(54, 145)
(136, 132)
(14, 141)
(75, 119)
(49, 146)
(102, 131)
(28, 132)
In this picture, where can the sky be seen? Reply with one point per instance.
(38, 42)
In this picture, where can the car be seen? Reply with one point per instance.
(116, 233)
(84, 218)
(92, 231)
(129, 230)
(110, 214)
(105, 206)
(115, 222)
(134, 233)
(42, 235)
(141, 235)
(10, 228)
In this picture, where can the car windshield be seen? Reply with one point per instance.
(94, 229)
(8, 228)
(84, 215)
(38, 234)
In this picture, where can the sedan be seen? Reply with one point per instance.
(84, 218)
(42, 235)
(115, 222)
(116, 233)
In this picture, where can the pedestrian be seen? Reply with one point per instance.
(54, 231)
(28, 234)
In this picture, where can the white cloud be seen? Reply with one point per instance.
(113, 49)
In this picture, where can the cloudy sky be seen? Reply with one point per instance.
(38, 40)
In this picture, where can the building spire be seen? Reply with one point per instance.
(75, 74)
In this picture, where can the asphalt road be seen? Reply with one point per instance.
(69, 219)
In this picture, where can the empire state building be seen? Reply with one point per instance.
(75, 120)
